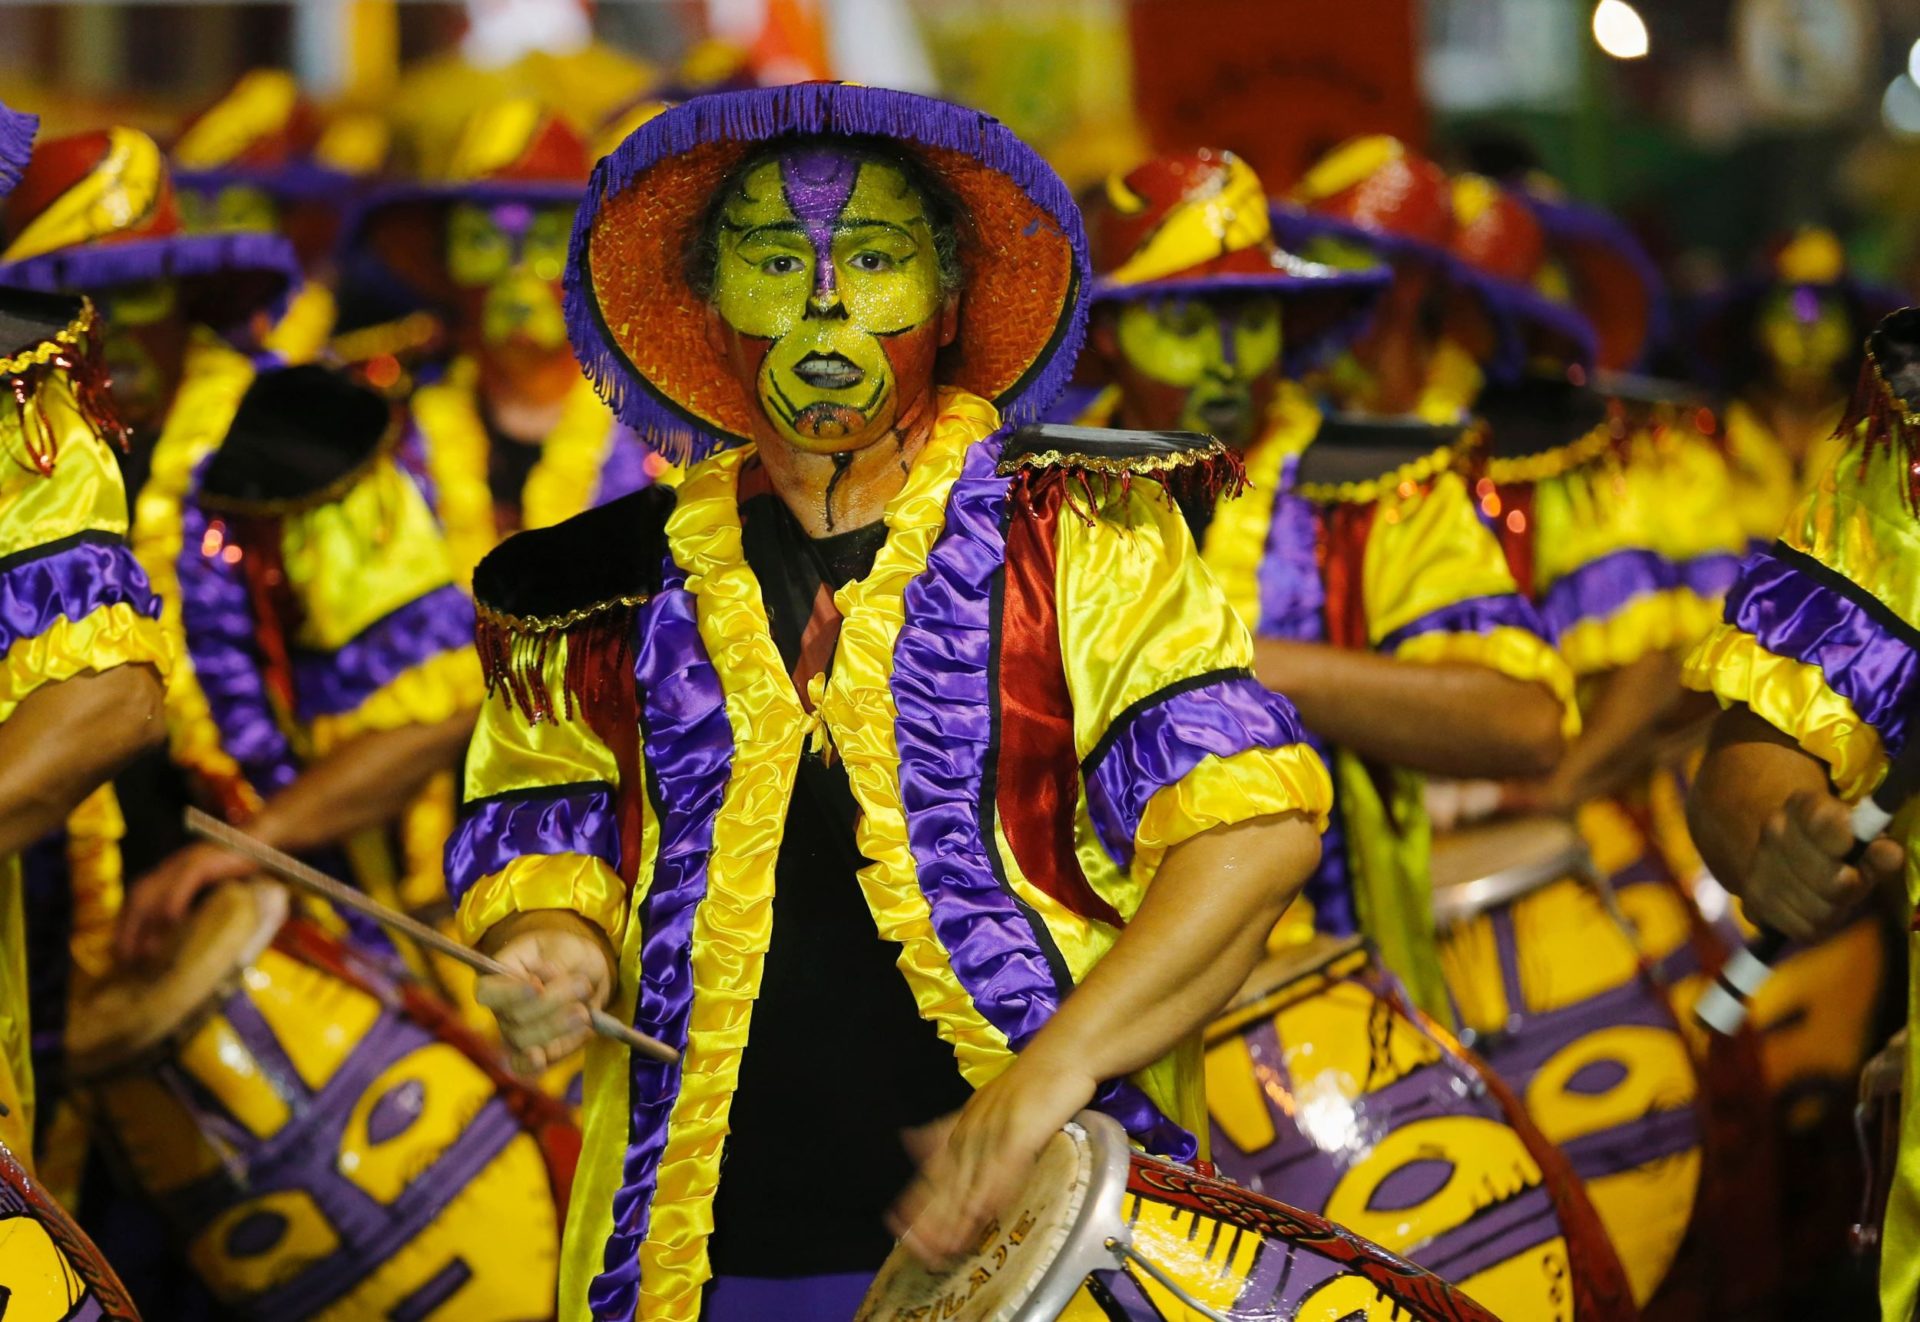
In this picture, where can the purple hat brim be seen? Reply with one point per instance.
(204, 258)
(758, 115)
(1359, 290)
(1569, 224)
(17, 129)
(302, 181)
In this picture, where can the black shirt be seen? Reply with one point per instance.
(838, 1060)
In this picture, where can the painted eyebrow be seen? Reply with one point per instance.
(857, 223)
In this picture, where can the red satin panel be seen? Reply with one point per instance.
(1341, 545)
(276, 613)
(1038, 788)
(1516, 533)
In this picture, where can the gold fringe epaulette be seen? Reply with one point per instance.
(326, 494)
(514, 650)
(1096, 461)
(1879, 413)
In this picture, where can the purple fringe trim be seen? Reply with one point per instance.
(760, 114)
(689, 747)
(71, 582)
(17, 129)
(185, 256)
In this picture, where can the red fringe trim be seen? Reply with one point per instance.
(1087, 488)
(514, 658)
(1886, 420)
(87, 373)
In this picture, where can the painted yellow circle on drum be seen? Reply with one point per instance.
(1535, 1284)
(40, 1284)
(249, 1248)
(1486, 1163)
(1348, 1299)
(438, 1090)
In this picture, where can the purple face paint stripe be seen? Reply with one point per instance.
(819, 180)
(689, 751)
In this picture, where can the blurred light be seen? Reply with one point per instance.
(1619, 29)
(1913, 62)
(1900, 107)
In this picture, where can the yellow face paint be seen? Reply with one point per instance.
(1213, 352)
(516, 254)
(828, 265)
(237, 207)
(1805, 334)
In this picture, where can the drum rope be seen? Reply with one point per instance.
(1173, 1287)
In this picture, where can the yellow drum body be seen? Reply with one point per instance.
(323, 1152)
(1326, 1093)
(49, 1270)
(1552, 994)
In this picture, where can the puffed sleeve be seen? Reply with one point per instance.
(1821, 631)
(1437, 589)
(1174, 733)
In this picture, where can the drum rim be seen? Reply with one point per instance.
(136, 1052)
(1083, 1250)
(1462, 902)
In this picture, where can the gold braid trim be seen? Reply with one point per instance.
(1595, 445)
(416, 330)
(530, 625)
(44, 352)
(1415, 472)
(1107, 466)
(326, 495)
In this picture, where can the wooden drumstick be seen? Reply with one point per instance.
(291, 870)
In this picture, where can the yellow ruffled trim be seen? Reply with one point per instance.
(1224, 791)
(300, 336)
(1795, 699)
(563, 480)
(733, 924)
(577, 882)
(457, 459)
(438, 689)
(1515, 653)
(1648, 623)
(1556, 461)
(115, 635)
(96, 879)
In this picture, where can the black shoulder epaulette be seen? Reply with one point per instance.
(1352, 455)
(1537, 418)
(1182, 461)
(301, 437)
(28, 317)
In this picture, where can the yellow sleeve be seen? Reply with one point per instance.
(540, 828)
(1437, 589)
(1174, 733)
(1821, 631)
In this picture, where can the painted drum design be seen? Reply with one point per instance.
(1102, 1233)
(1327, 1091)
(1552, 990)
(325, 1142)
(49, 1269)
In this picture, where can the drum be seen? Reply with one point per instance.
(323, 1140)
(1876, 1121)
(49, 1270)
(1101, 1233)
(1549, 987)
(1326, 1090)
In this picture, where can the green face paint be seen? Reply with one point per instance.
(1207, 362)
(509, 259)
(826, 265)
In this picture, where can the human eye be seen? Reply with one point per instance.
(871, 262)
(782, 263)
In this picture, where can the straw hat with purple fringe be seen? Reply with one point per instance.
(17, 128)
(264, 134)
(638, 325)
(1195, 223)
(1611, 278)
(1502, 255)
(96, 211)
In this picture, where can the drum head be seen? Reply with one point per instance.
(1483, 867)
(132, 1012)
(1030, 1262)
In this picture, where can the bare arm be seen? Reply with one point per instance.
(1769, 827)
(1616, 738)
(362, 783)
(65, 740)
(1194, 940)
(1448, 719)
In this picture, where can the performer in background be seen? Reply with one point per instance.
(841, 766)
(1815, 664)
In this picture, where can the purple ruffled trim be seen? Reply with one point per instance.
(1476, 615)
(17, 129)
(564, 819)
(333, 683)
(1710, 576)
(1293, 600)
(1571, 223)
(216, 615)
(760, 114)
(71, 580)
(1159, 744)
(93, 267)
(1601, 588)
(1792, 614)
(689, 750)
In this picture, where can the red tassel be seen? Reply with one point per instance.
(87, 378)
(1884, 415)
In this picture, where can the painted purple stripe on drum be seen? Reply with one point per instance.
(216, 615)
(1601, 588)
(439, 1288)
(1648, 1139)
(1475, 615)
(337, 682)
(943, 693)
(69, 579)
(1496, 1234)
(1158, 742)
(563, 819)
(1798, 608)
(689, 751)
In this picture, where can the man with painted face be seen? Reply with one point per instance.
(839, 767)
(511, 435)
(1379, 603)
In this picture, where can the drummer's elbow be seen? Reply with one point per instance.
(1535, 740)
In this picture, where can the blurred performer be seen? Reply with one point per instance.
(1815, 663)
(262, 159)
(1785, 348)
(881, 662)
(512, 436)
(1381, 604)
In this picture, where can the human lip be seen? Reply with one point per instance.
(829, 371)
